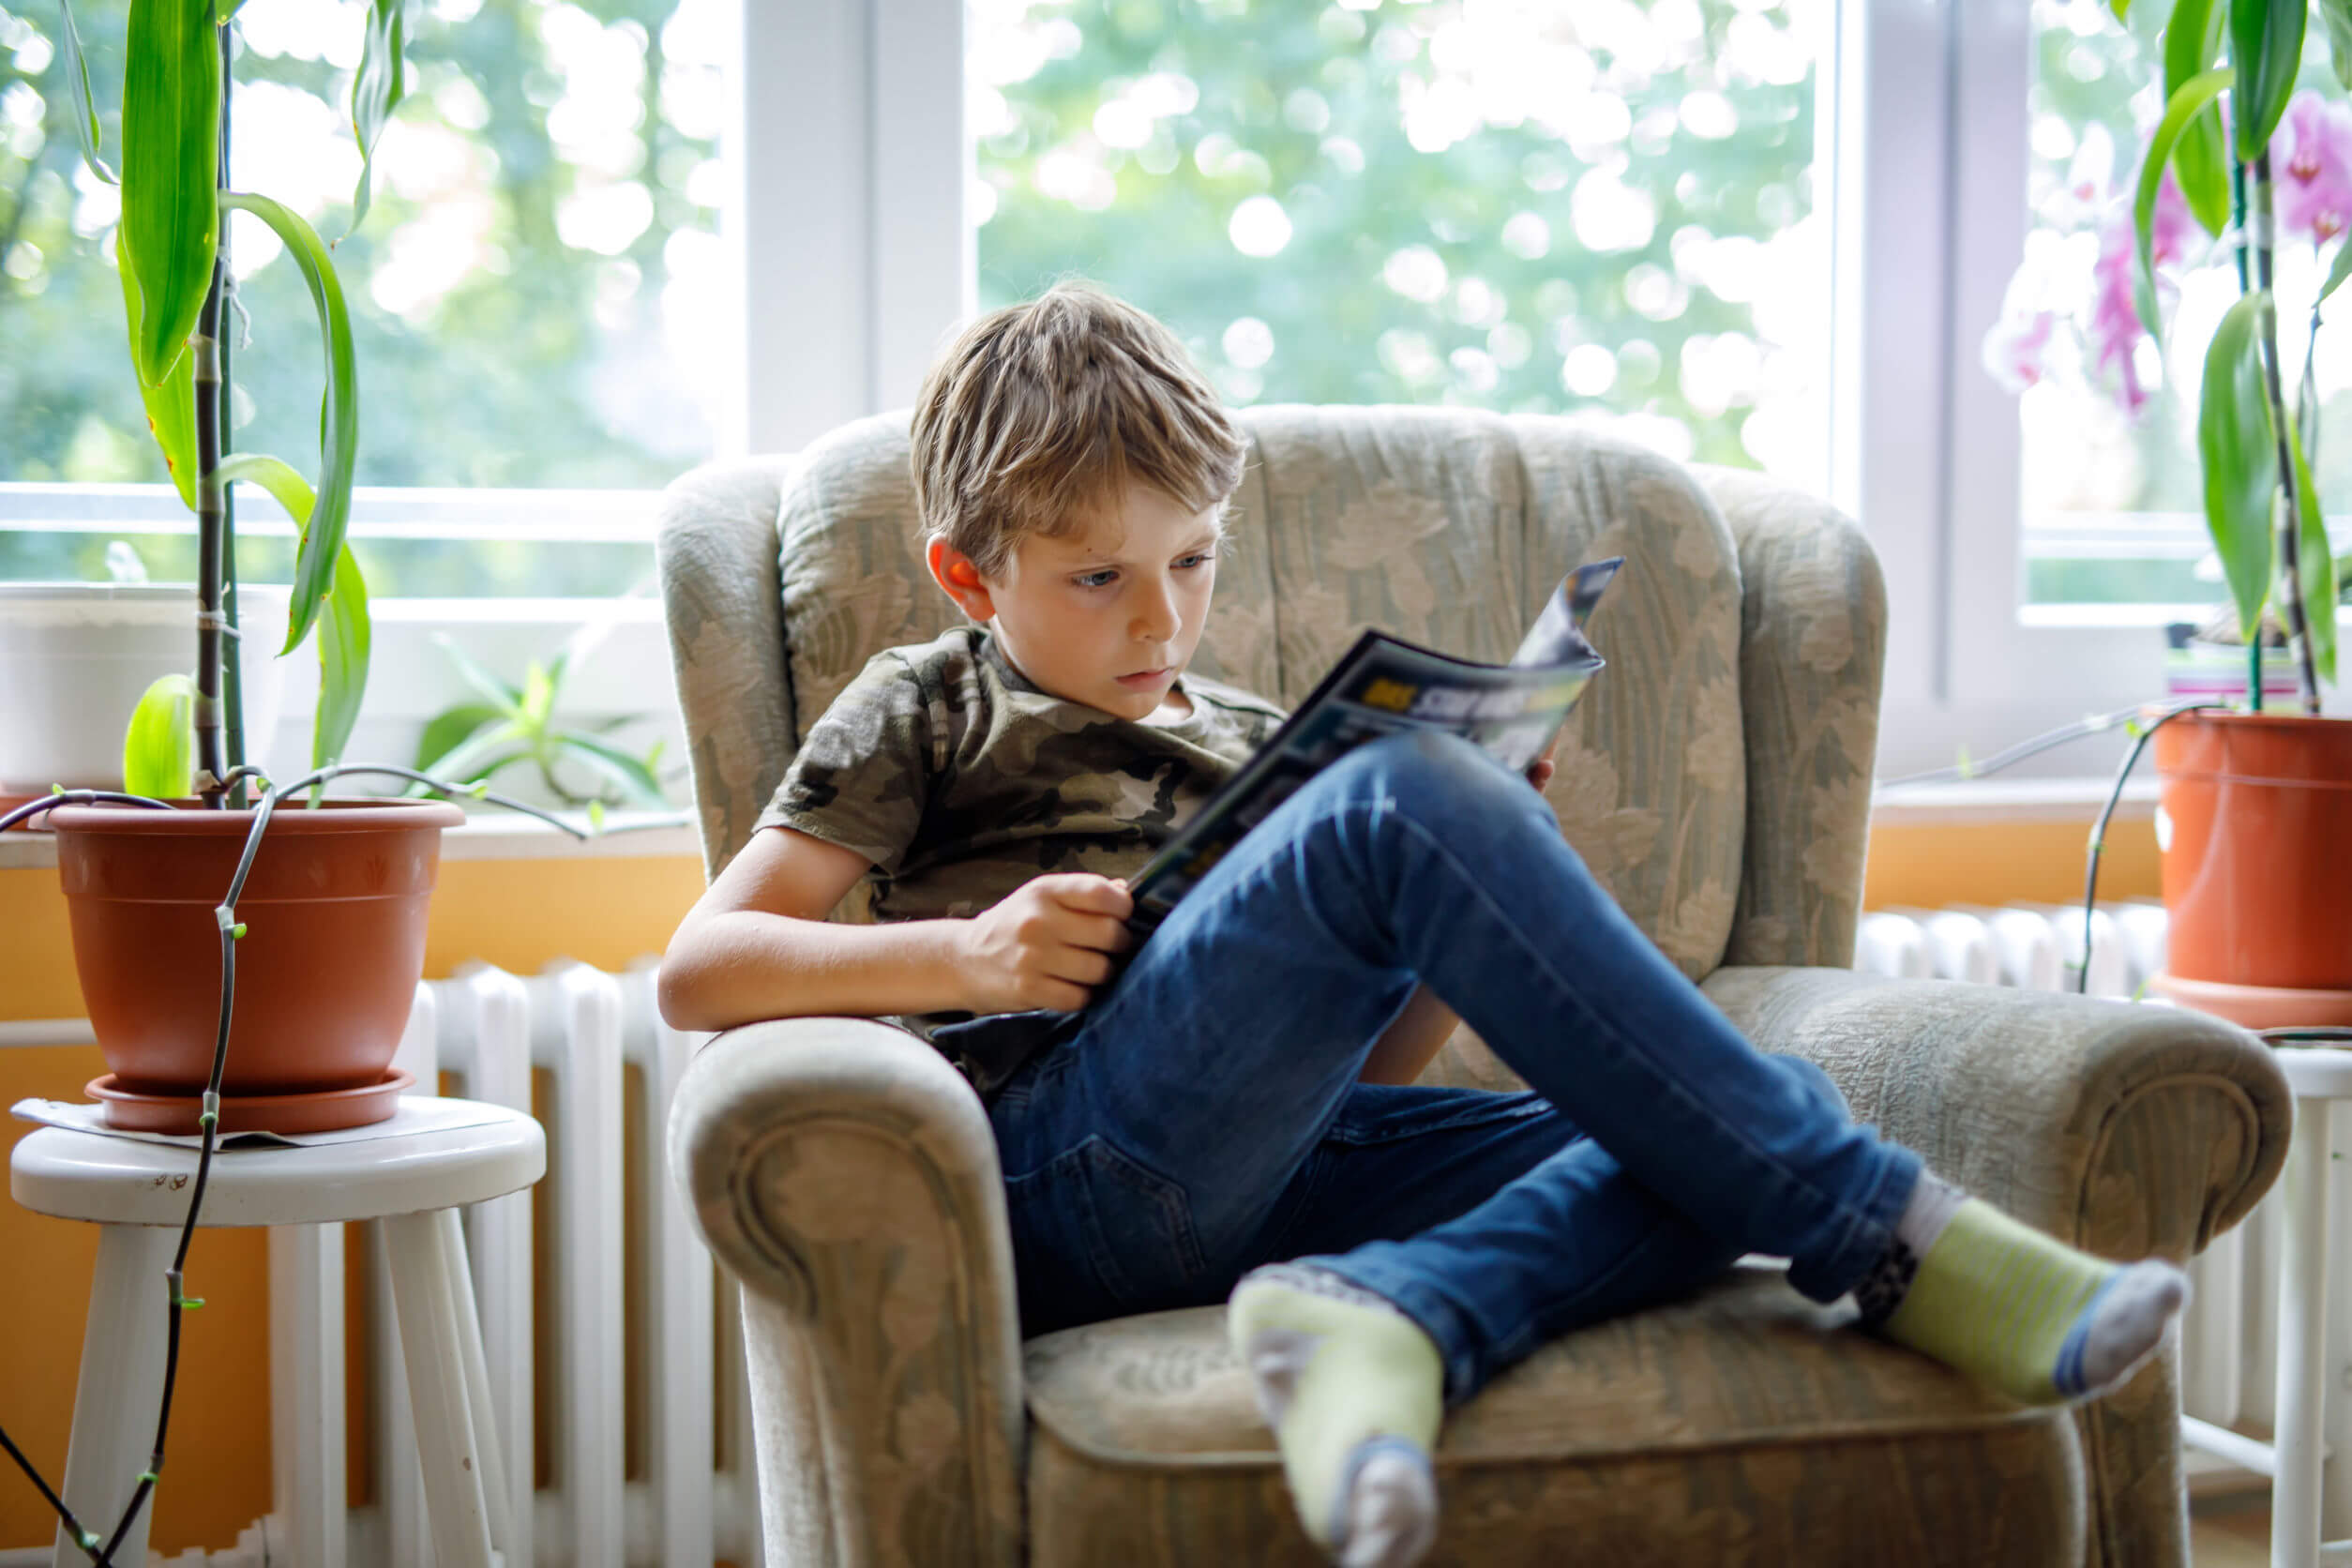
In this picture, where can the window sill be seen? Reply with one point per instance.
(490, 835)
(1992, 801)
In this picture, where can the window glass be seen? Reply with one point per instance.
(2111, 489)
(531, 291)
(1605, 208)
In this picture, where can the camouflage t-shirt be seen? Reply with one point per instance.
(959, 780)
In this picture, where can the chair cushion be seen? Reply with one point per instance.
(1745, 1425)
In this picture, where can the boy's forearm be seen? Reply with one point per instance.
(1410, 1041)
(744, 966)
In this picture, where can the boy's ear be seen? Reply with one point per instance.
(959, 580)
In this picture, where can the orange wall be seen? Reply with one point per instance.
(520, 914)
(517, 914)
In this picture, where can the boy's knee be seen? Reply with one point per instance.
(1430, 770)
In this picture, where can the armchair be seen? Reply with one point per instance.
(1717, 779)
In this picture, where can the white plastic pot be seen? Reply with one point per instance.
(75, 658)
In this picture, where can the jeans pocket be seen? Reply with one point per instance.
(1096, 1234)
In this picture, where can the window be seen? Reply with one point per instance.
(2110, 497)
(537, 292)
(1604, 209)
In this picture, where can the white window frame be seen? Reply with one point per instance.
(852, 258)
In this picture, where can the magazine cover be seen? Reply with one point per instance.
(1383, 685)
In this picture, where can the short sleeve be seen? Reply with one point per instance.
(861, 779)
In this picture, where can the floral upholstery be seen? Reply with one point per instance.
(1717, 778)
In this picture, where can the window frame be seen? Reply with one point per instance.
(850, 257)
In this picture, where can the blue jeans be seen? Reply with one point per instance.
(1204, 1116)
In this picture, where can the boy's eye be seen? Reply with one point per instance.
(1192, 562)
(1094, 580)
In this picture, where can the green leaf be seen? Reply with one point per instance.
(170, 221)
(2336, 16)
(2236, 447)
(2266, 44)
(159, 747)
(450, 728)
(170, 403)
(375, 92)
(2336, 273)
(632, 774)
(505, 698)
(86, 118)
(318, 558)
(287, 488)
(482, 755)
(2183, 106)
(2201, 158)
(345, 633)
(538, 696)
(2314, 565)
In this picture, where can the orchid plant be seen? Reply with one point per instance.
(2240, 162)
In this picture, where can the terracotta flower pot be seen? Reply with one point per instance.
(2255, 826)
(326, 972)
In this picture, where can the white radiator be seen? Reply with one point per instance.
(2229, 1337)
(636, 1356)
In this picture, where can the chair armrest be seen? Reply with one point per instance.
(846, 1177)
(2127, 1130)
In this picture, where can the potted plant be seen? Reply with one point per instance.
(2254, 819)
(335, 944)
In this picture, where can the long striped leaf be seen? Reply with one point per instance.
(2236, 446)
(316, 558)
(170, 403)
(2336, 16)
(2201, 158)
(85, 116)
(2180, 109)
(170, 161)
(345, 633)
(287, 488)
(2266, 44)
(2314, 565)
(375, 92)
(449, 728)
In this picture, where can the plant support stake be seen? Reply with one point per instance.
(2289, 583)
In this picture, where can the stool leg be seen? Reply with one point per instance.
(122, 1378)
(430, 1344)
(2302, 1328)
(477, 1384)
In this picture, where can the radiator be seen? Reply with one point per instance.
(635, 1354)
(2229, 1335)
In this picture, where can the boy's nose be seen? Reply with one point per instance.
(1156, 619)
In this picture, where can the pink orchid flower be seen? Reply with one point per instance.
(2015, 350)
(2311, 158)
(2115, 328)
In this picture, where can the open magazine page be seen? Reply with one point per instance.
(1383, 684)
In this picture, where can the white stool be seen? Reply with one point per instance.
(2293, 1457)
(413, 1182)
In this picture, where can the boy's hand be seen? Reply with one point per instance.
(1048, 945)
(1539, 772)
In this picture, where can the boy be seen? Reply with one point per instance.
(1226, 1111)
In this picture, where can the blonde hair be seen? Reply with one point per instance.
(1039, 409)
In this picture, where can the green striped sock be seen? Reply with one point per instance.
(2028, 1315)
(1354, 1392)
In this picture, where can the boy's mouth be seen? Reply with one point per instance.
(1144, 678)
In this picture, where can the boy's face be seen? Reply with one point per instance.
(1108, 614)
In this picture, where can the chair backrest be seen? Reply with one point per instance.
(1445, 526)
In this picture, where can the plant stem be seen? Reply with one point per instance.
(205, 347)
(2245, 285)
(232, 664)
(2289, 586)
